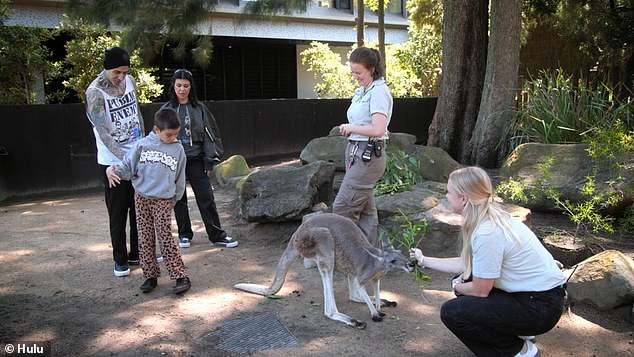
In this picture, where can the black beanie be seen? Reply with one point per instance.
(116, 57)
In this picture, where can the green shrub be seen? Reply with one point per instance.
(558, 111)
(401, 173)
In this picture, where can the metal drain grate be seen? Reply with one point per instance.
(256, 333)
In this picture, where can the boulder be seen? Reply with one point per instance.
(328, 148)
(605, 280)
(233, 167)
(285, 193)
(435, 163)
(401, 141)
(332, 148)
(567, 174)
(419, 198)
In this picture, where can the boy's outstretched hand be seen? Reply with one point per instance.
(113, 179)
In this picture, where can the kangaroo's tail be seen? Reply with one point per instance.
(283, 266)
(255, 288)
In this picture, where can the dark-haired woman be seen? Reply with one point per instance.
(368, 117)
(201, 140)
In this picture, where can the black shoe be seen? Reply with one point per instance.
(132, 261)
(149, 285)
(184, 242)
(226, 242)
(182, 285)
(121, 270)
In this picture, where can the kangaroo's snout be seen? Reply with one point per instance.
(397, 261)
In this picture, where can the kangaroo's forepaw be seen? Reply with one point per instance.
(388, 303)
(358, 324)
(378, 318)
(382, 314)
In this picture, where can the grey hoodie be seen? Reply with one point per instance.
(157, 169)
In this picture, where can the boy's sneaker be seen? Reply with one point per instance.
(149, 285)
(159, 259)
(184, 242)
(133, 261)
(182, 285)
(121, 270)
(227, 242)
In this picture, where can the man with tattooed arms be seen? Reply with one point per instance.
(113, 110)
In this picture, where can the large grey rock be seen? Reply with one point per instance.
(234, 167)
(419, 198)
(332, 148)
(605, 280)
(568, 172)
(435, 163)
(401, 141)
(327, 148)
(285, 193)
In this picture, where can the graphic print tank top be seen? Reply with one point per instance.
(122, 122)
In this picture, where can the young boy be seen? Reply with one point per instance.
(156, 167)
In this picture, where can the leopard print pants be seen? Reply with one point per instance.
(154, 218)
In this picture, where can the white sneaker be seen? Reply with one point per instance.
(121, 270)
(184, 242)
(531, 350)
(527, 338)
(159, 259)
(227, 242)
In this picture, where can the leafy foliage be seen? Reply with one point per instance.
(407, 236)
(586, 213)
(148, 25)
(603, 29)
(558, 111)
(326, 65)
(401, 173)
(421, 56)
(337, 82)
(267, 8)
(84, 61)
(23, 58)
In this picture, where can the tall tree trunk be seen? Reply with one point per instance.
(464, 46)
(381, 29)
(360, 22)
(500, 84)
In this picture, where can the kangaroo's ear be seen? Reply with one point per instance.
(375, 253)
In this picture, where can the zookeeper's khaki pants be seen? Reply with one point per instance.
(355, 198)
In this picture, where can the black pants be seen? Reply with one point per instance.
(120, 206)
(198, 180)
(490, 325)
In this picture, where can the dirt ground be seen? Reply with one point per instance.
(57, 287)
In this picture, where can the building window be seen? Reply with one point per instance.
(395, 7)
(343, 4)
(336, 4)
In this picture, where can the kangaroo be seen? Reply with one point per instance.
(336, 243)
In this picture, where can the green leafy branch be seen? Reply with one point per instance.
(408, 236)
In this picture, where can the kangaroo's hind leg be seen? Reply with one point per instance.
(359, 290)
(330, 306)
(323, 253)
(355, 295)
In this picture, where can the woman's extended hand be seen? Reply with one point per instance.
(344, 129)
(417, 254)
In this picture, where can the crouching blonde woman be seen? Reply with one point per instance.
(509, 285)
